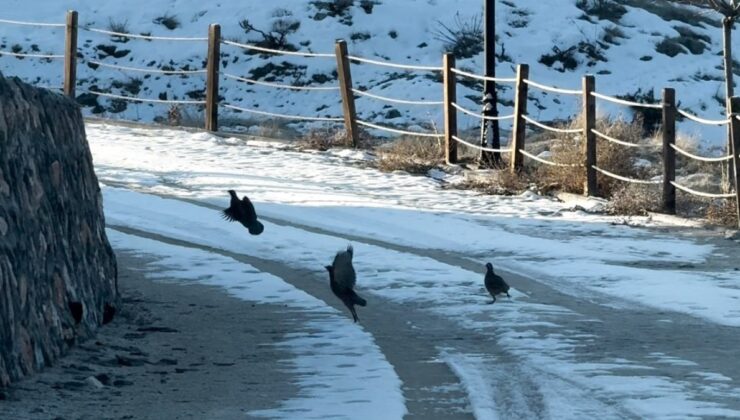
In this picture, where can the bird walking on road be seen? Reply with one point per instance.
(342, 280)
(495, 284)
(242, 211)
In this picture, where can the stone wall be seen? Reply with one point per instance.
(57, 269)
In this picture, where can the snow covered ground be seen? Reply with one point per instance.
(623, 51)
(328, 378)
(582, 286)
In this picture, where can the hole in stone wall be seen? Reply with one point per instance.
(108, 313)
(76, 309)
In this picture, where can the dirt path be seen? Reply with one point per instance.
(195, 352)
(407, 338)
(627, 331)
(174, 352)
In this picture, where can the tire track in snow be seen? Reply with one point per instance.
(643, 335)
(430, 388)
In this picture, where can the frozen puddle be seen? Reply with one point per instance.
(338, 368)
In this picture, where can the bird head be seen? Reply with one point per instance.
(330, 269)
(489, 267)
(232, 193)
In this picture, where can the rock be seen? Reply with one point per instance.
(103, 378)
(53, 218)
(94, 382)
(732, 235)
(582, 203)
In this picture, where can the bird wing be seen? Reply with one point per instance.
(250, 213)
(496, 283)
(344, 272)
(230, 214)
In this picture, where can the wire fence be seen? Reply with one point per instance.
(143, 36)
(212, 73)
(277, 85)
(144, 70)
(274, 51)
(481, 148)
(284, 116)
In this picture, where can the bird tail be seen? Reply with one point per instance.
(256, 228)
(357, 300)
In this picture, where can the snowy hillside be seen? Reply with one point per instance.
(631, 50)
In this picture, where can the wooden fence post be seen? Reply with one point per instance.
(212, 74)
(589, 124)
(345, 86)
(735, 149)
(70, 54)
(518, 136)
(669, 154)
(450, 97)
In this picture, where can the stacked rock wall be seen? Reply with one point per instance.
(57, 268)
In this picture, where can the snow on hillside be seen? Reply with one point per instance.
(621, 52)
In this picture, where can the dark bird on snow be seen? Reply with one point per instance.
(242, 211)
(342, 279)
(495, 284)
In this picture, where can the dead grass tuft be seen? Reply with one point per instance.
(328, 137)
(635, 200)
(415, 155)
(569, 150)
(722, 213)
(496, 182)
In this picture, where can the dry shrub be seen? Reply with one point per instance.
(570, 150)
(687, 166)
(496, 182)
(325, 138)
(635, 199)
(722, 213)
(411, 154)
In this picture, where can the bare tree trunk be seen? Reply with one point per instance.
(727, 24)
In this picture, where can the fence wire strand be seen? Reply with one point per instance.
(145, 70)
(477, 147)
(624, 178)
(700, 193)
(277, 85)
(625, 102)
(272, 51)
(389, 64)
(285, 116)
(135, 99)
(23, 23)
(621, 142)
(553, 89)
(483, 117)
(700, 120)
(483, 78)
(701, 158)
(393, 100)
(24, 55)
(145, 37)
(548, 162)
(549, 128)
(397, 131)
